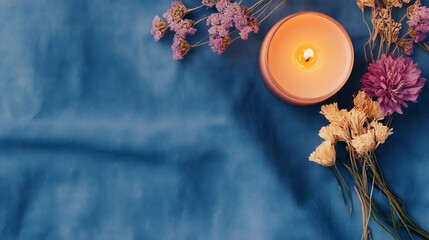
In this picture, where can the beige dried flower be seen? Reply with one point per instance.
(360, 100)
(334, 115)
(365, 3)
(178, 11)
(393, 31)
(393, 3)
(381, 132)
(364, 143)
(374, 111)
(357, 121)
(371, 108)
(385, 25)
(333, 133)
(324, 154)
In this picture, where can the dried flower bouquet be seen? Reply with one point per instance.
(393, 80)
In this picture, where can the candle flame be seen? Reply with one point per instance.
(308, 54)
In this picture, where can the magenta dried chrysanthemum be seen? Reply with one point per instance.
(159, 27)
(183, 27)
(418, 22)
(180, 47)
(393, 81)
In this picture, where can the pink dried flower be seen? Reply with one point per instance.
(176, 13)
(221, 5)
(419, 22)
(219, 44)
(393, 81)
(253, 26)
(183, 27)
(211, 3)
(159, 27)
(218, 25)
(180, 47)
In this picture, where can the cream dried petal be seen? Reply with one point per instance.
(324, 154)
(357, 121)
(364, 143)
(333, 133)
(371, 108)
(381, 132)
(330, 111)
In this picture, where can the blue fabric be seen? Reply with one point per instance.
(104, 136)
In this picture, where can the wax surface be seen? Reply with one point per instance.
(329, 41)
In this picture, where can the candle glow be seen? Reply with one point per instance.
(306, 58)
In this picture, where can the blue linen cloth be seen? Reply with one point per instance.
(104, 136)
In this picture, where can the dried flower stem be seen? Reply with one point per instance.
(256, 5)
(283, 1)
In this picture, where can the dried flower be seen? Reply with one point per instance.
(371, 108)
(406, 46)
(381, 132)
(357, 121)
(365, 3)
(393, 81)
(333, 133)
(210, 3)
(334, 115)
(219, 44)
(177, 11)
(159, 28)
(253, 26)
(418, 21)
(324, 154)
(393, 3)
(364, 143)
(180, 47)
(220, 27)
(183, 27)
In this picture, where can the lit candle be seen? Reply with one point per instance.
(306, 58)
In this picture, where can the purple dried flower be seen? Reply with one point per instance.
(221, 6)
(183, 27)
(418, 21)
(219, 44)
(176, 13)
(393, 81)
(218, 27)
(180, 47)
(159, 27)
(253, 26)
(211, 3)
